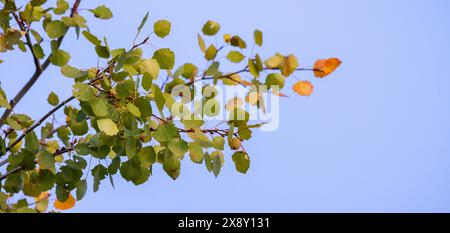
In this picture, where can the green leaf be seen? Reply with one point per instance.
(162, 28)
(62, 194)
(159, 98)
(210, 53)
(235, 56)
(60, 57)
(38, 52)
(78, 128)
(241, 161)
(218, 142)
(99, 173)
(31, 142)
(83, 92)
(245, 133)
(144, 20)
(56, 29)
(194, 123)
(201, 43)
(144, 106)
(134, 110)
(147, 81)
(196, 152)
(201, 138)
(75, 21)
(107, 126)
(210, 28)
(3, 100)
(102, 12)
(102, 51)
(147, 156)
(189, 70)
(165, 133)
(178, 147)
(130, 147)
(150, 67)
(72, 72)
(258, 37)
(91, 38)
(216, 165)
(172, 167)
(53, 99)
(131, 171)
(46, 160)
(165, 58)
(253, 69)
(37, 2)
(61, 7)
(275, 79)
(81, 189)
(14, 183)
(99, 107)
(27, 162)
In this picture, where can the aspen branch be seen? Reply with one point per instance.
(39, 68)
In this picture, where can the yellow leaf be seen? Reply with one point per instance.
(232, 80)
(42, 202)
(290, 63)
(274, 61)
(108, 126)
(304, 88)
(227, 38)
(324, 67)
(68, 204)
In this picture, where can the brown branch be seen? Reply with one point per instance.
(39, 122)
(28, 42)
(229, 76)
(39, 68)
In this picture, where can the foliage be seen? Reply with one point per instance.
(121, 121)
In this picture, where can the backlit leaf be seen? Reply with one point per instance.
(162, 28)
(258, 36)
(210, 28)
(304, 88)
(107, 126)
(165, 58)
(102, 12)
(53, 99)
(241, 161)
(235, 56)
(323, 68)
(56, 29)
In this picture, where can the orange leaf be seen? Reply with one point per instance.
(324, 67)
(68, 204)
(304, 88)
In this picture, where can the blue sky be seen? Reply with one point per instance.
(373, 137)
